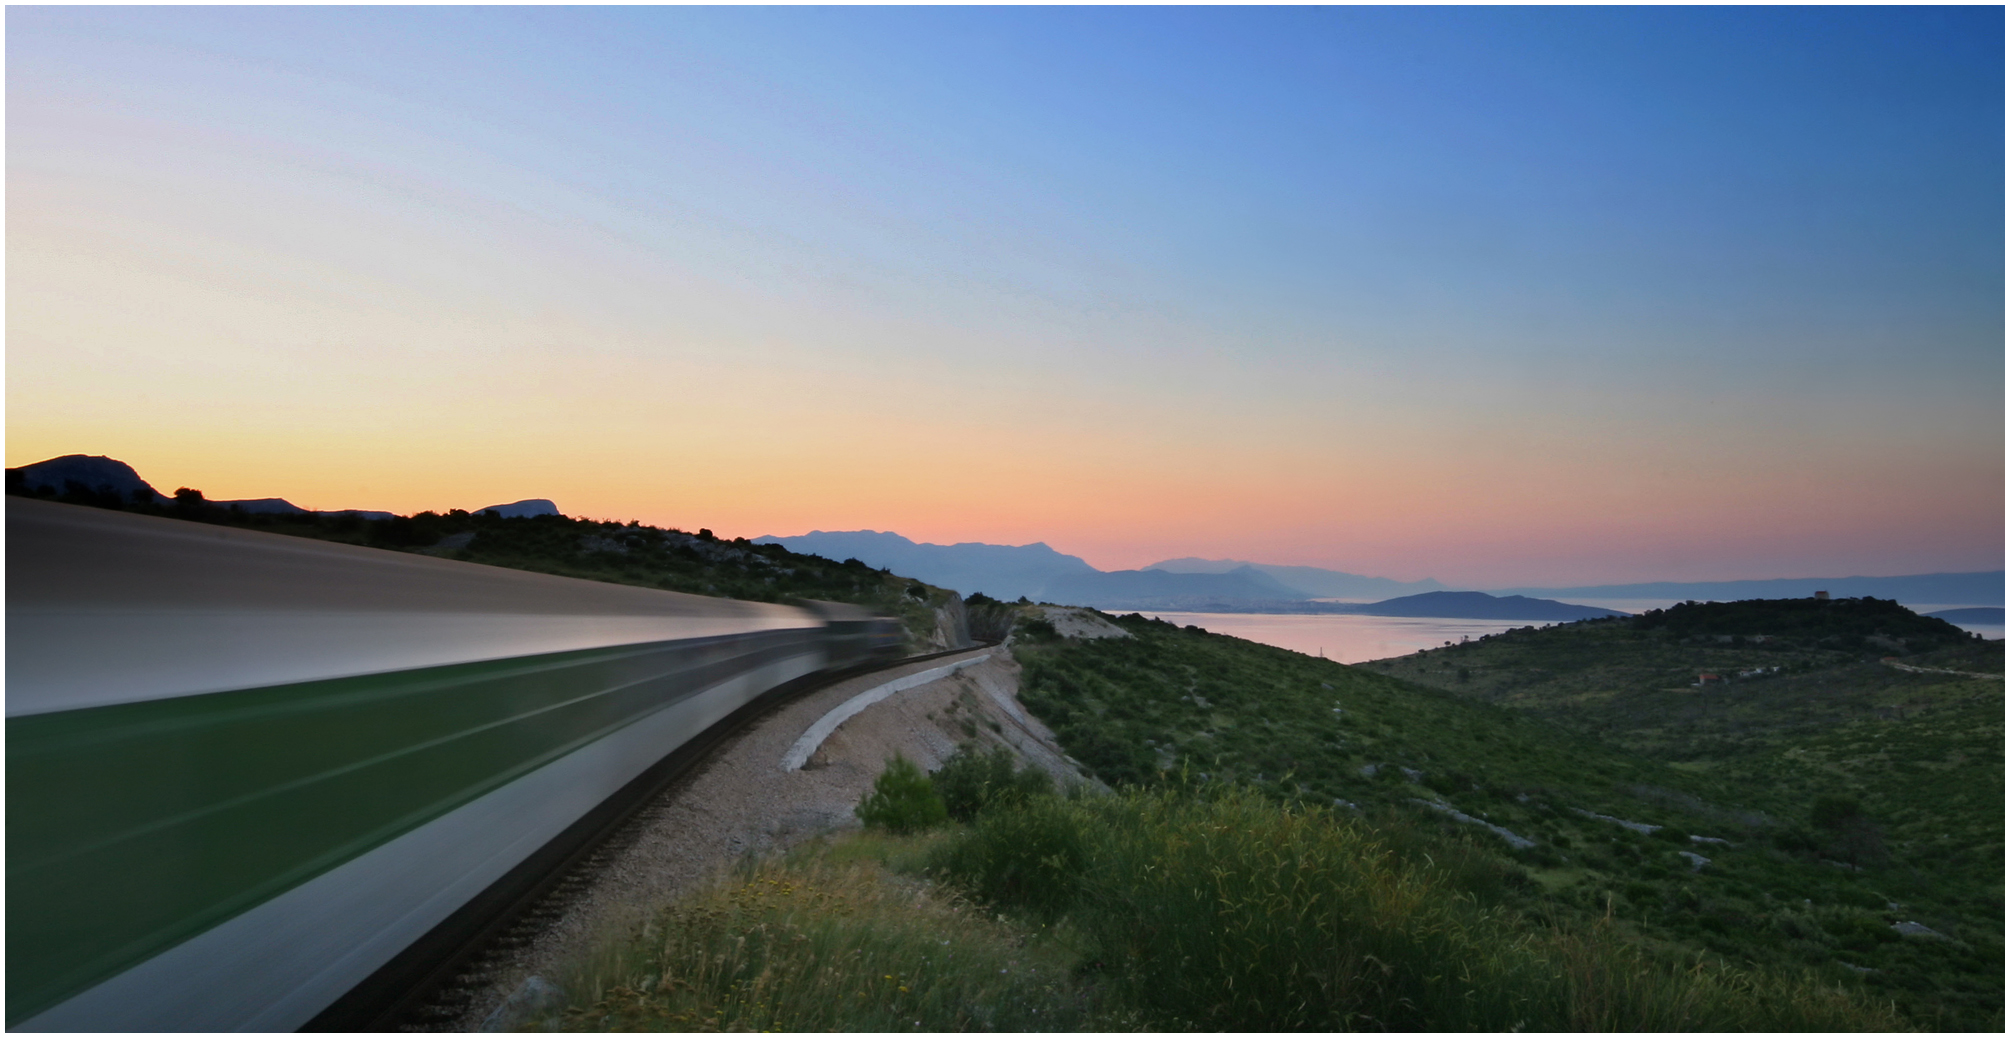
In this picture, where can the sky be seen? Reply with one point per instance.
(1496, 296)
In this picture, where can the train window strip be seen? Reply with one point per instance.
(138, 892)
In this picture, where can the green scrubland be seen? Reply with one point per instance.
(1293, 844)
(1177, 908)
(1912, 832)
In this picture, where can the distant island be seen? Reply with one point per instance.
(1448, 605)
(1976, 615)
(1478, 605)
(1952, 589)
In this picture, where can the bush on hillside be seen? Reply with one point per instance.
(1027, 856)
(1853, 837)
(969, 781)
(1037, 629)
(902, 799)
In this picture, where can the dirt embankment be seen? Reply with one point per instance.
(744, 801)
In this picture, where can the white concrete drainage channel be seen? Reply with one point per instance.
(800, 753)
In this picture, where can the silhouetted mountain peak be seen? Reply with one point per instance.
(522, 509)
(93, 472)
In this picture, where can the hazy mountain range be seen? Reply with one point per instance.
(1310, 581)
(1040, 573)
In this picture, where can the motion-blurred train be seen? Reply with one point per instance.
(246, 770)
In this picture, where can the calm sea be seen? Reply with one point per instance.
(1349, 639)
(1353, 639)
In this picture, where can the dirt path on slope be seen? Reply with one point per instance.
(740, 801)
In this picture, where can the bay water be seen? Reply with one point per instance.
(1341, 636)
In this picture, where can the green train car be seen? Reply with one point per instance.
(245, 770)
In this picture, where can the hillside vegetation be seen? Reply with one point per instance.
(1778, 673)
(1183, 908)
(1803, 850)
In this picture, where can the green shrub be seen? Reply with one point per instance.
(1834, 812)
(1038, 630)
(970, 781)
(902, 799)
(1026, 855)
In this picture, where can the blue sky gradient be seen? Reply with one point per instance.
(1539, 296)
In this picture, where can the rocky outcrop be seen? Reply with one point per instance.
(952, 624)
(1082, 624)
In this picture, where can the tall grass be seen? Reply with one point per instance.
(1233, 912)
(817, 943)
(1166, 910)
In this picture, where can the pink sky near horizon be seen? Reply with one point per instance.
(1118, 520)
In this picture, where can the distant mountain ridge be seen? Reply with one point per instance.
(1157, 589)
(1002, 571)
(1309, 581)
(1040, 573)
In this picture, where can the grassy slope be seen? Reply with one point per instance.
(1921, 751)
(1636, 689)
(832, 937)
(1299, 727)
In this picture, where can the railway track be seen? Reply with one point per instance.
(433, 984)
